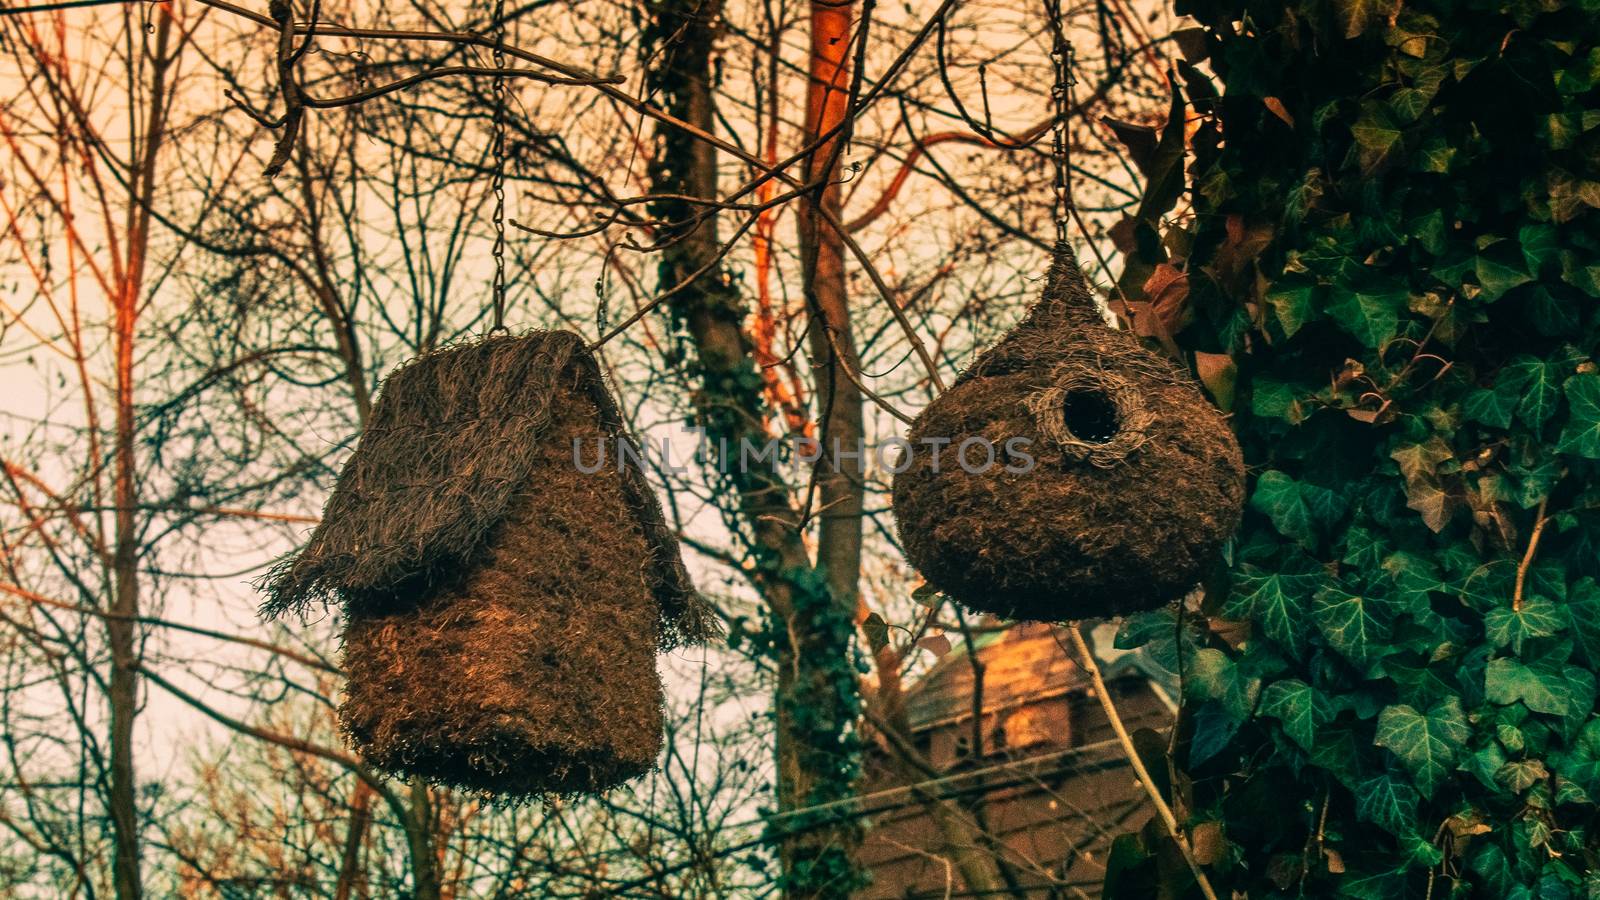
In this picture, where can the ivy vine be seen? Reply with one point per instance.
(1393, 267)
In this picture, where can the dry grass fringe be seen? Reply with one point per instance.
(452, 443)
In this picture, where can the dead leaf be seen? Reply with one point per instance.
(1207, 842)
(1276, 107)
(1219, 374)
(877, 632)
(1167, 290)
(1139, 140)
(937, 644)
(1233, 632)
(1121, 235)
(1434, 496)
(1192, 44)
(1236, 255)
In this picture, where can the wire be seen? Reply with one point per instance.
(1061, 95)
(499, 181)
(65, 4)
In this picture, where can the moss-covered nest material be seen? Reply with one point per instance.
(502, 607)
(1137, 479)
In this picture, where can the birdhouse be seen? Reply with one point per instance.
(1124, 484)
(502, 604)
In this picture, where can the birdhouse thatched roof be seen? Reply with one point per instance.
(447, 455)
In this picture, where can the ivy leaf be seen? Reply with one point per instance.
(1435, 155)
(1485, 764)
(1214, 727)
(1488, 585)
(1372, 318)
(1538, 618)
(1426, 493)
(1355, 16)
(1540, 392)
(1292, 306)
(1364, 548)
(1507, 681)
(1157, 632)
(1581, 762)
(1299, 707)
(1277, 600)
(1497, 278)
(1552, 314)
(1581, 436)
(1415, 578)
(1540, 246)
(1388, 803)
(1427, 743)
(1299, 510)
(1522, 774)
(1584, 608)
(1355, 626)
(1213, 676)
(1279, 400)
(1491, 406)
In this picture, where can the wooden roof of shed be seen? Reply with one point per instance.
(1027, 662)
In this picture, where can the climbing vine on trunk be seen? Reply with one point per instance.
(1393, 269)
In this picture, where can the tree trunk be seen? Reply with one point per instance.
(808, 629)
(419, 842)
(121, 626)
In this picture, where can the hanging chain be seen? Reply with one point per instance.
(1061, 95)
(499, 183)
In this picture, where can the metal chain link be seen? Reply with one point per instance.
(499, 183)
(1061, 95)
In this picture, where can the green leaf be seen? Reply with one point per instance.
(1377, 134)
(1581, 435)
(1292, 306)
(1496, 278)
(1491, 406)
(1373, 319)
(1507, 681)
(1299, 707)
(1427, 743)
(1214, 727)
(1364, 548)
(1356, 16)
(1540, 246)
(1584, 613)
(1540, 392)
(1485, 764)
(1489, 585)
(1537, 619)
(1435, 155)
(1213, 676)
(1277, 601)
(1388, 803)
(1415, 578)
(1522, 774)
(1355, 626)
(1581, 762)
(1299, 510)
(1279, 400)
(1552, 314)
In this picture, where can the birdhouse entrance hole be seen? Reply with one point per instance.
(1090, 416)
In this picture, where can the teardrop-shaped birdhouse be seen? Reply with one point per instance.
(506, 575)
(1114, 481)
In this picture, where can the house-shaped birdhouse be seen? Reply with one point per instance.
(1131, 484)
(503, 605)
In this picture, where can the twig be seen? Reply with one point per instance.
(1527, 558)
(1128, 750)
